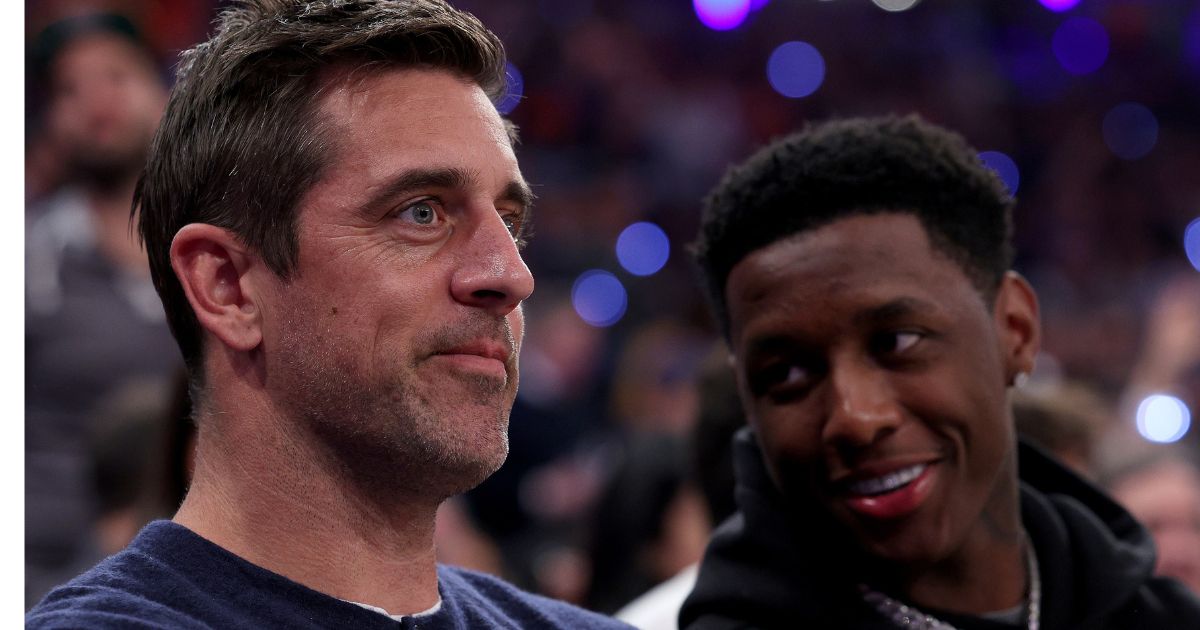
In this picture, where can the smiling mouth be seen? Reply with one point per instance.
(891, 495)
(887, 483)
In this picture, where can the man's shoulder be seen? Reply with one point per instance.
(127, 590)
(485, 600)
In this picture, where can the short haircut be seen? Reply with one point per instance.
(242, 138)
(858, 166)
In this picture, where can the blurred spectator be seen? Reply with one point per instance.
(654, 386)
(460, 543)
(92, 318)
(711, 465)
(1163, 492)
(650, 522)
(1167, 361)
(1065, 419)
(128, 434)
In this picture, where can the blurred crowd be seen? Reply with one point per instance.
(630, 111)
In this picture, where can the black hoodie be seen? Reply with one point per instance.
(776, 566)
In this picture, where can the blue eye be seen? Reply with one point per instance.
(420, 213)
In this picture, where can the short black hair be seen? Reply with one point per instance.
(859, 166)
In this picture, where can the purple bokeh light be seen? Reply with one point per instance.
(599, 298)
(756, 5)
(1130, 130)
(796, 69)
(1059, 6)
(722, 15)
(1191, 242)
(1004, 167)
(514, 90)
(1081, 45)
(643, 248)
(1191, 40)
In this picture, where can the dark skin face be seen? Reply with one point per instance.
(875, 374)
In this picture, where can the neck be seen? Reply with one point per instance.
(988, 572)
(960, 588)
(265, 494)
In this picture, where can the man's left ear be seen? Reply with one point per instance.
(1018, 325)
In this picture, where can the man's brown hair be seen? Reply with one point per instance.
(242, 138)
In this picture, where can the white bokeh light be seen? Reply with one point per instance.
(1163, 418)
(895, 5)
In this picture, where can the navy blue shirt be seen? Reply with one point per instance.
(169, 577)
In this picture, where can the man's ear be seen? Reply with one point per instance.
(1018, 325)
(213, 267)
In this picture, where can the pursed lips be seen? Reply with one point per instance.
(485, 348)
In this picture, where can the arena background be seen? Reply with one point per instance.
(630, 111)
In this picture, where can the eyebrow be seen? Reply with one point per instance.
(516, 191)
(874, 316)
(891, 311)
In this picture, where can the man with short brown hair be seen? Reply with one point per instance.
(333, 213)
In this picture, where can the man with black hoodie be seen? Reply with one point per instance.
(860, 272)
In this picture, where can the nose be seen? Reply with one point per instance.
(862, 407)
(491, 274)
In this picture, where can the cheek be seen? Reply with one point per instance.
(516, 321)
(790, 442)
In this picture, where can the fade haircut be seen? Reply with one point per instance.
(242, 138)
(858, 166)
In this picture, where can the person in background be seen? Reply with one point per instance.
(710, 466)
(1163, 491)
(1065, 419)
(860, 272)
(333, 213)
(93, 323)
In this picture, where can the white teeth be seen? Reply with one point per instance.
(888, 482)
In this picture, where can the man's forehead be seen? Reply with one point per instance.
(418, 107)
(883, 263)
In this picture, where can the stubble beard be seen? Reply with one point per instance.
(395, 436)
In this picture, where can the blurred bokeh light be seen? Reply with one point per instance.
(1130, 130)
(1081, 45)
(643, 248)
(1163, 418)
(722, 15)
(1191, 243)
(1005, 167)
(1059, 5)
(599, 298)
(895, 5)
(796, 69)
(515, 89)
(1191, 40)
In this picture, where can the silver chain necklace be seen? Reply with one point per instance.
(905, 616)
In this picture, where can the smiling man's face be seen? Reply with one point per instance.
(875, 375)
